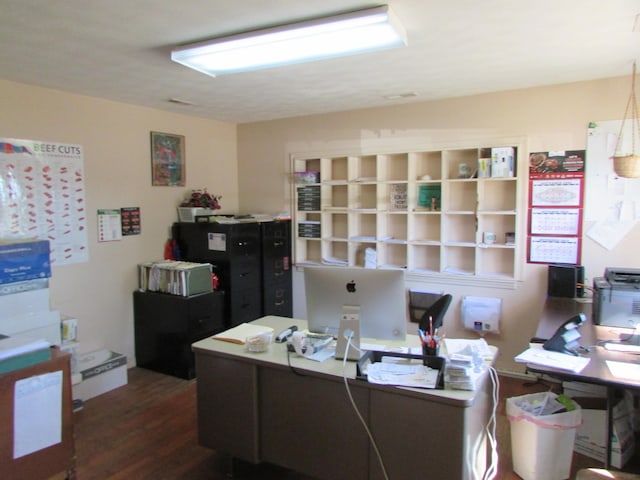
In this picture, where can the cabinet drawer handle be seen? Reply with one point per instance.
(278, 274)
(279, 304)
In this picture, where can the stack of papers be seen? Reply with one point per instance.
(400, 372)
(461, 373)
(547, 358)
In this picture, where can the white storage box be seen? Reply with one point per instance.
(23, 298)
(189, 214)
(99, 372)
(542, 446)
(591, 435)
(13, 324)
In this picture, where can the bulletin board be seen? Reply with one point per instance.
(42, 196)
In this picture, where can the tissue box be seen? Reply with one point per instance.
(24, 260)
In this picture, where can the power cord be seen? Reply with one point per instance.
(355, 407)
(490, 428)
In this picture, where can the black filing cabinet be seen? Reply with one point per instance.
(276, 268)
(252, 261)
(233, 250)
(166, 326)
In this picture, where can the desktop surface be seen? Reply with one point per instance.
(278, 356)
(556, 311)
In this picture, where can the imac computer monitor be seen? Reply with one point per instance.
(379, 294)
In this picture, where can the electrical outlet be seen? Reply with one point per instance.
(350, 312)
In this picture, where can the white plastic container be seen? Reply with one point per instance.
(542, 446)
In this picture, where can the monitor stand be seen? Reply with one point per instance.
(349, 334)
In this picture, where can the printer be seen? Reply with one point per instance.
(616, 298)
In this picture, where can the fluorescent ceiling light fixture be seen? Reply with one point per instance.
(346, 34)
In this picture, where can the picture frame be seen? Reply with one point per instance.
(168, 161)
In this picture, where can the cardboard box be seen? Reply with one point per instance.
(24, 260)
(591, 435)
(14, 324)
(99, 372)
(50, 333)
(24, 298)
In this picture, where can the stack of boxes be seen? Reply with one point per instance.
(25, 309)
(24, 291)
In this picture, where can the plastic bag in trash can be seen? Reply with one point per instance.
(542, 442)
(544, 410)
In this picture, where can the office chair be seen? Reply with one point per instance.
(436, 312)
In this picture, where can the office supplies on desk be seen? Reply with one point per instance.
(240, 333)
(547, 358)
(400, 369)
(565, 338)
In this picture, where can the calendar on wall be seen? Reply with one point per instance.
(42, 196)
(555, 211)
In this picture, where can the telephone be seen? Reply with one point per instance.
(565, 339)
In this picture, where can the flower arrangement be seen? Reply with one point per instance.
(203, 199)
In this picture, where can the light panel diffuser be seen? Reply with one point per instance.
(356, 32)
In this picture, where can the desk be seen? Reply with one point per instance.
(252, 406)
(556, 311)
(55, 461)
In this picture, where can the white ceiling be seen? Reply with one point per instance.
(120, 50)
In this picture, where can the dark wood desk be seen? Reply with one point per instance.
(556, 312)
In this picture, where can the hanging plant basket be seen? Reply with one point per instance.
(628, 164)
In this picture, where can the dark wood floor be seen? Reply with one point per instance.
(147, 430)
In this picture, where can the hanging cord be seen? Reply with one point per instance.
(635, 120)
(355, 408)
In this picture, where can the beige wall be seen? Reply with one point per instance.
(552, 118)
(115, 138)
(115, 141)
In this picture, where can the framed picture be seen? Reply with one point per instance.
(167, 160)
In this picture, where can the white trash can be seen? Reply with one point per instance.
(542, 445)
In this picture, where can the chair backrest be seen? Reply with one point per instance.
(434, 315)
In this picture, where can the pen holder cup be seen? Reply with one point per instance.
(428, 351)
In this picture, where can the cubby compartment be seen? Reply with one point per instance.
(425, 227)
(496, 261)
(392, 255)
(335, 170)
(335, 251)
(308, 250)
(426, 166)
(499, 224)
(393, 167)
(497, 195)
(363, 227)
(335, 196)
(392, 227)
(461, 196)
(424, 259)
(358, 252)
(459, 260)
(363, 196)
(336, 226)
(460, 164)
(459, 229)
(365, 169)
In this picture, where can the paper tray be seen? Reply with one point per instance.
(373, 356)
